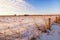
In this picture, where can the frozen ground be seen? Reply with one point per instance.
(27, 27)
(54, 34)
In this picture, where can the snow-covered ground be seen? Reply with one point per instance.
(54, 34)
(27, 27)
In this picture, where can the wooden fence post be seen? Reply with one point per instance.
(56, 20)
(59, 18)
(5, 35)
(49, 23)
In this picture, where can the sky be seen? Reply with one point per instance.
(45, 6)
(29, 7)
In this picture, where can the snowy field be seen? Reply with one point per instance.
(29, 28)
(54, 34)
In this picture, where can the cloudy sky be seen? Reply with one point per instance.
(29, 7)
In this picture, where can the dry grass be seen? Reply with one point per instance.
(21, 27)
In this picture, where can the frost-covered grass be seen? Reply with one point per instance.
(54, 34)
(29, 28)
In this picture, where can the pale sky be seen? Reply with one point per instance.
(20, 7)
(8, 7)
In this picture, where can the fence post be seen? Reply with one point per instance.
(5, 35)
(56, 20)
(49, 23)
(59, 18)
